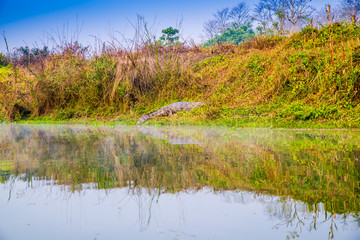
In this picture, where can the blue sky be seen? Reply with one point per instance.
(30, 22)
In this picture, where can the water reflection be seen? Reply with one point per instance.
(303, 180)
(168, 135)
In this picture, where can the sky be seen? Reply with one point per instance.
(34, 23)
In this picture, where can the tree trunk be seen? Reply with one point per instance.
(292, 29)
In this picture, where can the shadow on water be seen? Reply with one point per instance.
(307, 172)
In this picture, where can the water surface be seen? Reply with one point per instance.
(83, 182)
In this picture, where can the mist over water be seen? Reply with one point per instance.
(124, 182)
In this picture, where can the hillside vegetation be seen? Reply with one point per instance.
(311, 79)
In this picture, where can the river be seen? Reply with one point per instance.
(127, 182)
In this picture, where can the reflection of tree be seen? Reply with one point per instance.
(145, 203)
(294, 215)
(148, 203)
(307, 166)
(291, 218)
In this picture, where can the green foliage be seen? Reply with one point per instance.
(356, 55)
(101, 80)
(235, 35)
(312, 37)
(5, 72)
(255, 64)
(209, 62)
(273, 30)
(28, 55)
(170, 36)
(299, 111)
(12, 105)
(4, 61)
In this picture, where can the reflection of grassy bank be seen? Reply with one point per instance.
(191, 119)
(270, 81)
(309, 166)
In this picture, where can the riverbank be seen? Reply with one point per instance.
(309, 80)
(181, 120)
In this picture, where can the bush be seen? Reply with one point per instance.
(235, 35)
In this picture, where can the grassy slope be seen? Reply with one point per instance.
(310, 80)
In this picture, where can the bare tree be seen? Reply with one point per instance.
(279, 7)
(270, 13)
(222, 17)
(240, 14)
(295, 11)
(350, 8)
(218, 24)
(263, 15)
(211, 28)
